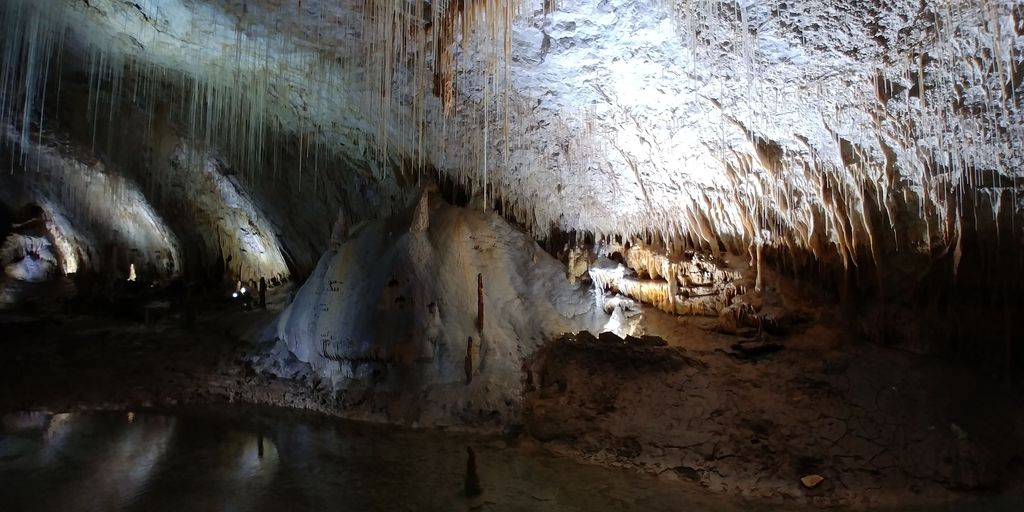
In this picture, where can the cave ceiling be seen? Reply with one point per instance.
(837, 128)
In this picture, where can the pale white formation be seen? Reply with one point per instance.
(28, 258)
(95, 216)
(389, 315)
(65, 239)
(689, 283)
(621, 325)
(846, 130)
(101, 220)
(225, 219)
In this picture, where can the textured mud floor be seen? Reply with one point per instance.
(881, 426)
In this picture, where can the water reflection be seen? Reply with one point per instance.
(247, 460)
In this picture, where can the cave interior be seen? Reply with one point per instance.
(758, 250)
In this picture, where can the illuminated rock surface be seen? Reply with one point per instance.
(835, 130)
(387, 317)
(437, 191)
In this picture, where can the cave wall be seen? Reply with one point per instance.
(100, 217)
(231, 224)
(872, 147)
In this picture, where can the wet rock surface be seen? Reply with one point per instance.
(879, 427)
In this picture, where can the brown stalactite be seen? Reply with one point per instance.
(759, 281)
(443, 64)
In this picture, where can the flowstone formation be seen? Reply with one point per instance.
(427, 317)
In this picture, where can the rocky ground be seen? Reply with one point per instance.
(880, 426)
(754, 418)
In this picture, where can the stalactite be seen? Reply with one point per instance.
(250, 107)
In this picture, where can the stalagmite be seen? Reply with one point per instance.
(472, 487)
(468, 364)
(480, 303)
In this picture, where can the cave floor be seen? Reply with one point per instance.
(882, 427)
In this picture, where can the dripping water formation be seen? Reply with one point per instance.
(633, 254)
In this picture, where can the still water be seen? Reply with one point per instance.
(241, 460)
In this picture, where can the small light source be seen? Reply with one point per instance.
(243, 289)
(131, 272)
(234, 295)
